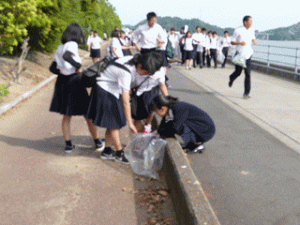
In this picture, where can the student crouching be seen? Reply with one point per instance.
(110, 106)
(192, 124)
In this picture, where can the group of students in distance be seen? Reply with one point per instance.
(200, 48)
(108, 105)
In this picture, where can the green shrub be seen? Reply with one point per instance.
(3, 90)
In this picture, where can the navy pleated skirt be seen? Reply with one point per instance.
(70, 97)
(105, 109)
(144, 103)
(95, 53)
(188, 55)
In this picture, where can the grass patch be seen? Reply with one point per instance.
(3, 90)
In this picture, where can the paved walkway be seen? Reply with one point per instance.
(250, 170)
(40, 184)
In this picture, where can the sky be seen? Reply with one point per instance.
(266, 14)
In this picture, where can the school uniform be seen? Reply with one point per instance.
(123, 42)
(242, 34)
(204, 53)
(95, 47)
(115, 43)
(70, 97)
(106, 107)
(162, 50)
(146, 92)
(148, 37)
(189, 122)
(198, 39)
(226, 43)
(188, 48)
(213, 46)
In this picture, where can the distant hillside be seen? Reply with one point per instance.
(169, 22)
(291, 33)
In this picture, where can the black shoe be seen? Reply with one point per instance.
(223, 66)
(69, 148)
(198, 149)
(120, 157)
(107, 153)
(230, 83)
(246, 96)
(100, 146)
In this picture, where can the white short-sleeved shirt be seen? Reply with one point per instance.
(226, 42)
(148, 35)
(154, 80)
(96, 42)
(213, 43)
(164, 37)
(242, 34)
(115, 43)
(174, 40)
(89, 39)
(65, 67)
(188, 44)
(115, 80)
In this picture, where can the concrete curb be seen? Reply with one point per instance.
(11, 104)
(190, 202)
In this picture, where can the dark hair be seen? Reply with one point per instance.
(73, 33)
(96, 32)
(197, 27)
(151, 15)
(245, 19)
(187, 33)
(150, 62)
(160, 100)
(203, 29)
(122, 32)
(115, 33)
(225, 32)
(172, 28)
(215, 32)
(210, 32)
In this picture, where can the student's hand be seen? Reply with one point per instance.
(138, 48)
(159, 45)
(243, 43)
(132, 128)
(79, 70)
(155, 132)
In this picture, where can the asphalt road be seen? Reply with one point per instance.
(250, 177)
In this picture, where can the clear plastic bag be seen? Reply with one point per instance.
(145, 153)
(220, 56)
(239, 59)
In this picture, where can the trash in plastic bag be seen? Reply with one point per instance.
(220, 56)
(145, 153)
(239, 59)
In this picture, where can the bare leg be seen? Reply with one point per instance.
(112, 136)
(92, 128)
(66, 127)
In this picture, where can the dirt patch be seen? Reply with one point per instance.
(36, 70)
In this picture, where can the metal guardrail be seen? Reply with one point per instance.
(264, 58)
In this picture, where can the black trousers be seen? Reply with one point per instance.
(237, 72)
(225, 51)
(147, 50)
(182, 54)
(203, 56)
(213, 55)
(198, 59)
